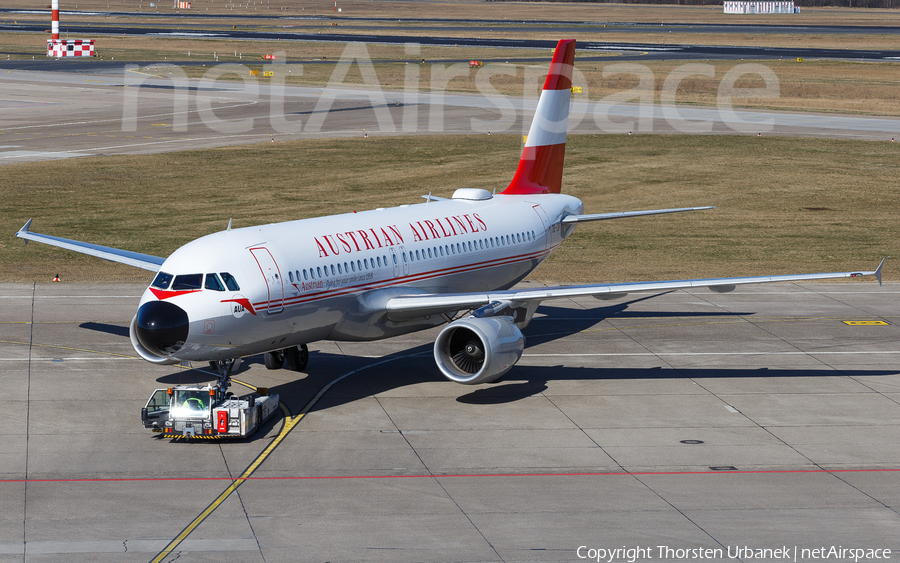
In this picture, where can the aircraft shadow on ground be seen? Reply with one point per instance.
(563, 322)
(416, 365)
(115, 330)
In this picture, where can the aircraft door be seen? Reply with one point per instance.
(545, 223)
(396, 262)
(404, 262)
(272, 275)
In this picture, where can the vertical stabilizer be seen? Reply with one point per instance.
(540, 168)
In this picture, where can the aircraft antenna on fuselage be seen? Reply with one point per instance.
(229, 224)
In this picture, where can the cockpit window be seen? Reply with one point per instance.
(162, 280)
(212, 282)
(188, 281)
(230, 282)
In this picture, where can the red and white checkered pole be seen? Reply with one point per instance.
(55, 17)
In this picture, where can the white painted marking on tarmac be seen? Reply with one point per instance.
(41, 154)
(121, 546)
(729, 408)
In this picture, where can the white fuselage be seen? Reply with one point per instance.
(328, 278)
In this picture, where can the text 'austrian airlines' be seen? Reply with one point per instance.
(376, 274)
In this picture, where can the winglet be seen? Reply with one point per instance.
(878, 270)
(24, 230)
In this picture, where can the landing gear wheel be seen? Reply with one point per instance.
(296, 357)
(274, 359)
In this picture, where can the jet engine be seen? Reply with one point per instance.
(478, 350)
(142, 351)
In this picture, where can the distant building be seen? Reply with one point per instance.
(753, 7)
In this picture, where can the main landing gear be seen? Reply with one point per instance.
(294, 358)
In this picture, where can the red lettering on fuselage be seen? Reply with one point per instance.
(350, 234)
(416, 235)
(322, 251)
(331, 246)
(391, 235)
(374, 234)
(462, 227)
(434, 232)
(346, 245)
(441, 225)
(365, 238)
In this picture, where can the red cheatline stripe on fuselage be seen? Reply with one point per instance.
(403, 280)
(244, 302)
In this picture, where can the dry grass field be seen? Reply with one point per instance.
(818, 86)
(784, 205)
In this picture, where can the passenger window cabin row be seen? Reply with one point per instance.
(432, 252)
(187, 282)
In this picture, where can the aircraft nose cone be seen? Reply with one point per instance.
(162, 327)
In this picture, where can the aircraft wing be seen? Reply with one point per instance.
(413, 306)
(135, 259)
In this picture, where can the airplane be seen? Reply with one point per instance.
(275, 288)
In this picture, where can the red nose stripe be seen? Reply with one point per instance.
(163, 294)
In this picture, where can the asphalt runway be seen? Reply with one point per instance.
(757, 419)
(105, 108)
(632, 51)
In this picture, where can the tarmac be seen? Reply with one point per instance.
(764, 419)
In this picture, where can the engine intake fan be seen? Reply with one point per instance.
(478, 350)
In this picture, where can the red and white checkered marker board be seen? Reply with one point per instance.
(70, 47)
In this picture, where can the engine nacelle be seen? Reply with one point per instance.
(143, 352)
(478, 350)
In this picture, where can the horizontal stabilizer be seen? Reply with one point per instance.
(625, 214)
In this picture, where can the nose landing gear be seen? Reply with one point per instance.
(294, 358)
(223, 369)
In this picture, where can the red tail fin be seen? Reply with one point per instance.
(540, 168)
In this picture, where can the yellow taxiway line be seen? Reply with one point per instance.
(289, 424)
